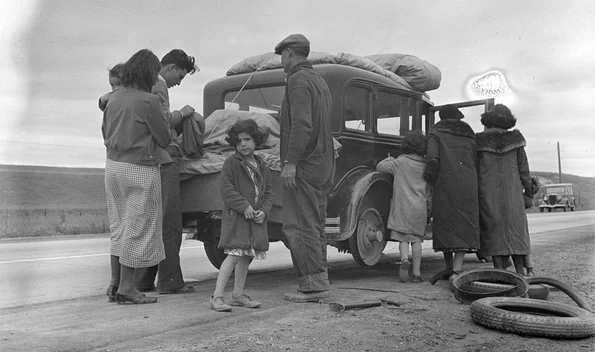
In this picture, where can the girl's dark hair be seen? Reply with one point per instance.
(142, 70)
(117, 71)
(415, 143)
(248, 126)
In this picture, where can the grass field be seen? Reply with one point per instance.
(49, 201)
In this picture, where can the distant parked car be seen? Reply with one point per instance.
(557, 195)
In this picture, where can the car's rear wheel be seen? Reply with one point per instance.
(367, 243)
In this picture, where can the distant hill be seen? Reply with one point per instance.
(40, 187)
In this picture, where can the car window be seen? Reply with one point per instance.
(555, 190)
(357, 108)
(263, 99)
(394, 113)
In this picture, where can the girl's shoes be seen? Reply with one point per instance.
(417, 279)
(244, 301)
(143, 299)
(404, 271)
(219, 305)
(111, 293)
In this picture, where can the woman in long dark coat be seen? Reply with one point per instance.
(451, 161)
(503, 175)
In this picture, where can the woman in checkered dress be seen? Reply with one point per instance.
(135, 133)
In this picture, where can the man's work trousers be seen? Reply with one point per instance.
(169, 270)
(304, 214)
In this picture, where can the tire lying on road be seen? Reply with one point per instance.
(526, 316)
(517, 285)
(536, 291)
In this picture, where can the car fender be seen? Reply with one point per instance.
(361, 185)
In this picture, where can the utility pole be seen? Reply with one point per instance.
(559, 164)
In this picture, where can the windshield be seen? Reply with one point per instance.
(261, 99)
(555, 190)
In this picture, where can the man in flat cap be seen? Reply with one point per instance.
(308, 168)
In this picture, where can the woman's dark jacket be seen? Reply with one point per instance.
(237, 191)
(503, 175)
(451, 161)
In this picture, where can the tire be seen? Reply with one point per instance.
(526, 316)
(517, 284)
(365, 246)
(215, 255)
(569, 291)
(541, 210)
(536, 291)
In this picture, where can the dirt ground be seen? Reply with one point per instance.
(429, 318)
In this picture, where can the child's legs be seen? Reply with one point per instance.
(240, 275)
(528, 261)
(404, 251)
(224, 273)
(115, 269)
(448, 259)
(518, 264)
(416, 252)
(498, 261)
(457, 263)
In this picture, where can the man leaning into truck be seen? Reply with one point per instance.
(175, 65)
(308, 168)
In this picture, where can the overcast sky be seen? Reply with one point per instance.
(54, 57)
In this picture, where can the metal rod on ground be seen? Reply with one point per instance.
(340, 307)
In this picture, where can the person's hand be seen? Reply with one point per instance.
(104, 98)
(249, 213)
(259, 216)
(186, 111)
(288, 176)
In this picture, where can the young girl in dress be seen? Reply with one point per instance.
(248, 199)
(409, 211)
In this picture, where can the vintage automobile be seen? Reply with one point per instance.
(370, 115)
(557, 195)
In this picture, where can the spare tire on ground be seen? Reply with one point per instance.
(517, 285)
(526, 316)
(536, 291)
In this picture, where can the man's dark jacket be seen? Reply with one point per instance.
(306, 138)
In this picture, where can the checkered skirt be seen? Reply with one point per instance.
(133, 194)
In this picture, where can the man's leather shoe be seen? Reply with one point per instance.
(312, 296)
(183, 289)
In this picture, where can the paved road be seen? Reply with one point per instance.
(47, 270)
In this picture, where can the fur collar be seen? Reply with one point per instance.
(500, 142)
(456, 127)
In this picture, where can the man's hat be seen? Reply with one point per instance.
(293, 41)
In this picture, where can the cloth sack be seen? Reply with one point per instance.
(420, 74)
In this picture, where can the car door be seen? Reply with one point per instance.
(471, 109)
